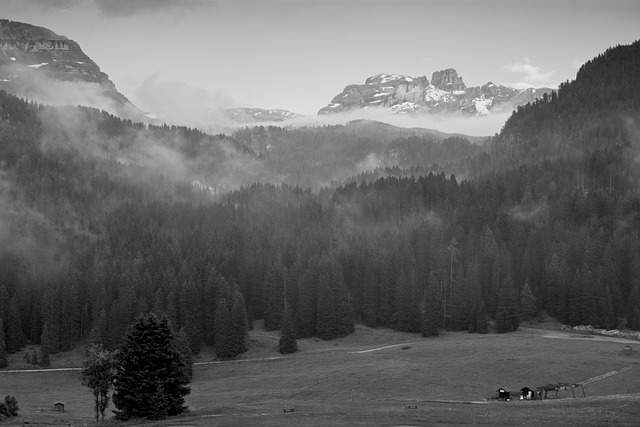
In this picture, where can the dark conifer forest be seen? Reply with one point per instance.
(98, 224)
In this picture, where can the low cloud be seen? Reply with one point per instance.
(122, 8)
(180, 103)
(485, 125)
(530, 75)
(54, 4)
(119, 8)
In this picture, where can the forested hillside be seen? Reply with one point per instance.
(93, 235)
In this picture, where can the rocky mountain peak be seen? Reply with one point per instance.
(39, 64)
(447, 93)
(448, 80)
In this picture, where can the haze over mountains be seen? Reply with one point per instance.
(39, 64)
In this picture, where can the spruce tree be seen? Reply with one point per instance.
(183, 346)
(431, 303)
(307, 305)
(3, 348)
(482, 326)
(528, 303)
(45, 345)
(238, 319)
(287, 342)
(507, 316)
(148, 361)
(633, 307)
(224, 340)
(407, 315)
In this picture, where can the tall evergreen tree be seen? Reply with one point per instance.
(430, 315)
(184, 348)
(288, 343)
(148, 361)
(633, 307)
(224, 339)
(307, 305)
(45, 346)
(507, 316)
(407, 315)
(482, 326)
(3, 348)
(238, 319)
(528, 303)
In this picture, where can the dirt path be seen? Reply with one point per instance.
(606, 375)
(574, 336)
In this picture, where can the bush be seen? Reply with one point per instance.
(9, 408)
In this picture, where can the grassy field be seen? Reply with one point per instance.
(371, 378)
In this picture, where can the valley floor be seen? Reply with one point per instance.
(380, 377)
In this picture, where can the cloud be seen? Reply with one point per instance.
(55, 4)
(480, 126)
(180, 103)
(531, 75)
(118, 8)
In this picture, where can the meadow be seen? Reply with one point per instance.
(379, 377)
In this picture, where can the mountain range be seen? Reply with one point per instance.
(38, 64)
(445, 94)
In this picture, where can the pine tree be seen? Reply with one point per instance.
(3, 347)
(407, 315)
(482, 326)
(431, 304)
(287, 342)
(223, 343)
(183, 346)
(148, 361)
(238, 318)
(528, 303)
(507, 316)
(307, 305)
(45, 345)
(15, 338)
(370, 298)
(633, 307)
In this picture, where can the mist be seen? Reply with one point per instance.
(479, 126)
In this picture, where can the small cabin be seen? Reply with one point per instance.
(527, 394)
(58, 406)
(503, 394)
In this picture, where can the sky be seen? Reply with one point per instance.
(299, 54)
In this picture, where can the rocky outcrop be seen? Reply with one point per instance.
(34, 59)
(446, 93)
(448, 80)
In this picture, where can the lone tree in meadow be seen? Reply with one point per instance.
(98, 370)
(152, 375)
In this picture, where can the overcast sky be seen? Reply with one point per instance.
(299, 54)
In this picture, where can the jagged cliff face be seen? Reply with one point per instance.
(446, 93)
(39, 64)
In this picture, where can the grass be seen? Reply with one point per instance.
(338, 382)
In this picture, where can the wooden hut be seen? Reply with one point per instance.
(527, 394)
(58, 406)
(503, 394)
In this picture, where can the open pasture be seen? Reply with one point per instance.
(379, 377)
